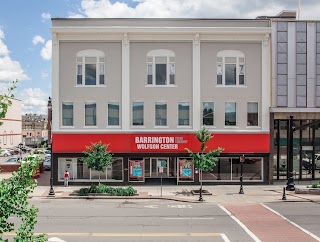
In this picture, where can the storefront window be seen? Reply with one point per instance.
(79, 170)
(136, 170)
(229, 169)
(186, 169)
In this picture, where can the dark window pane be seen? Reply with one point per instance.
(161, 114)
(67, 114)
(230, 74)
(230, 114)
(252, 114)
(113, 113)
(219, 79)
(137, 113)
(90, 115)
(90, 74)
(79, 79)
(172, 79)
(150, 79)
(101, 79)
(183, 114)
(161, 74)
(208, 113)
(241, 79)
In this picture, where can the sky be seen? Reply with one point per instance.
(25, 38)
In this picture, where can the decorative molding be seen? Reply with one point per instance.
(125, 39)
(196, 39)
(266, 39)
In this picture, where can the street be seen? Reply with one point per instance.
(159, 220)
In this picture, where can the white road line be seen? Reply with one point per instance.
(252, 235)
(225, 238)
(294, 224)
(188, 218)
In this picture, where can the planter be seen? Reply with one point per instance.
(314, 191)
(197, 192)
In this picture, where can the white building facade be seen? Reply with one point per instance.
(145, 86)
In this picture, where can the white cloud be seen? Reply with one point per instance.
(194, 8)
(38, 39)
(34, 100)
(10, 70)
(45, 16)
(46, 51)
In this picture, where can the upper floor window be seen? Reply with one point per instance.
(161, 68)
(161, 113)
(231, 68)
(208, 113)
(67, 114)
(252, 114)
(90, 68)
(184, 114)
(137, 113)
(230, 114)
(113, 114)
(90, 114)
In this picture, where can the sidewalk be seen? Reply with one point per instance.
(182, 193)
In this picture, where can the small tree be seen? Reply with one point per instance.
(13, 201)
(204, 161)
(97, 157)
(5, 101)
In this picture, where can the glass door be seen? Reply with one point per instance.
(159, 166)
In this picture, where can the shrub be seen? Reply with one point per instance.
(315, 185)
(101, 188)
(93, 189)
(83, 191)
(119, 191)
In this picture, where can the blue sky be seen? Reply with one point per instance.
(25, 38)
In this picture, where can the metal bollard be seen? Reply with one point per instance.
(284, 194)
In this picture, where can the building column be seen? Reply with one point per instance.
(292, 66)
(265, 85)
(125, 87)
(55, 83)
(196, 87)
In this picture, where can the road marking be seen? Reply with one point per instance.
(252, 235)
(188, 218)
(179, 206)
(294, 224)
(151, 206)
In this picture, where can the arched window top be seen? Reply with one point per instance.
(90, 52)
(160, 52)
(230, 53)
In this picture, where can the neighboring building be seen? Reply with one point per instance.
(145, 86)
(295, 91)
(34, 129)
(10, 130)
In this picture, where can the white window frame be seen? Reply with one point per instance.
(113, 126)
(155, 118)
(90, 126)
(221, 65)
(137, 126)
(189, 119)
(67, 126)
(253, 126)
(214, 116)
(230, 126)
(100, 66)
(170, 67)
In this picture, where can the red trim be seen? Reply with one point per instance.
(9, 134)
(169, 143)
(10, 119)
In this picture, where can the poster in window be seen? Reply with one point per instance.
(186, 169)
(136, 168)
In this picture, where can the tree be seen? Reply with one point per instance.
(204, 161)
(5, 101)
(14, 201)
(97, 157)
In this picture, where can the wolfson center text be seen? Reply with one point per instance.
(156, 143)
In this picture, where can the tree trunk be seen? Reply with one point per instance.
(99, 178)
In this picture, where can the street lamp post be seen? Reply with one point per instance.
(241, 176)
(51, 191)
(290, 182)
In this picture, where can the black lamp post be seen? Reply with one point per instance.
(290, 182)
(51, 191)
(242, 158)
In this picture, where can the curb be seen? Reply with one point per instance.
(122, 197)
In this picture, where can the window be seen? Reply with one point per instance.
(208, 113)
(161, 67)
(161, 114)
(231, 68)
(137, 114)
(230, 114)
(67, 114)
(252, 114)
(113, 114)
(90, 68)
(184, 114)
(90, 114)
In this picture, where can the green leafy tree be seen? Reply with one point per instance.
(97, 157)
(14, 194)
(5, 101)
(204, 161)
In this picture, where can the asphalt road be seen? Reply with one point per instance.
(154, 220)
